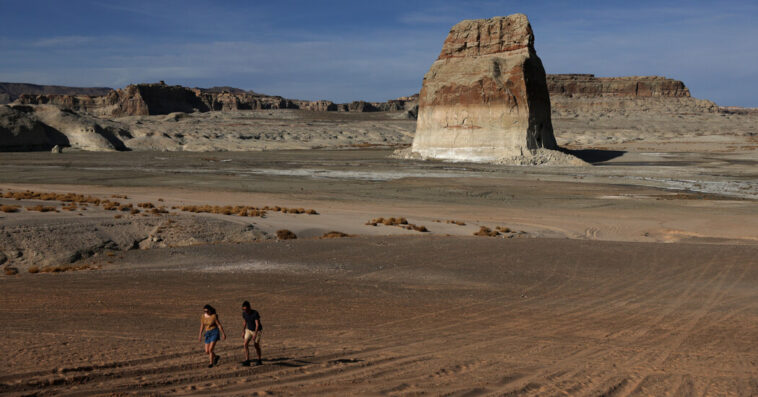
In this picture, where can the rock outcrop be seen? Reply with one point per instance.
(485, 99)
(160, 98)
(9, 92)
(629, 86)
(43, 127)
(572, 94)
(20, 130)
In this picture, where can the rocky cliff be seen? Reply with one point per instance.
(631, 87)
(485, 98)
(41, 127)
(9, 92)
(572, 94)
(160, 98)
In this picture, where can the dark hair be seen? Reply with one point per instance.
(210, 309)
(246, 304)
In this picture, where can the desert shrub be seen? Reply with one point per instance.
(118, 216)
(285, 234)
(134, 211)
(125, 207)
(41, 208)
(311, 212)
(238, 210)
(33, 270)
(486, 232)
(334, 234)
(110, 205)
(10, 271)
(503, 229)
(118, 196)
(9, 208)
(67, 268)
(399, 222)
(160, 199)
(159, 211)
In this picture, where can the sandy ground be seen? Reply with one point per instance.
(635, 276)
(395, 316)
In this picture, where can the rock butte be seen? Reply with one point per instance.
(485, 98)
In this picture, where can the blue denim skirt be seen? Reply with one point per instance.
(212, 336)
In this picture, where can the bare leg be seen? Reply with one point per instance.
(257, 350)
(211, 354)
(247, 349)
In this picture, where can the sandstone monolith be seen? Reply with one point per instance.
(485, 98)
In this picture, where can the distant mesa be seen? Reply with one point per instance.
(485, 99)
(9, 92)
(160, 98)
(631, 86)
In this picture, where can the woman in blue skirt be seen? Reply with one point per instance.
(211, 324)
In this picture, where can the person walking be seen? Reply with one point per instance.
(212, 325)
(251, 330)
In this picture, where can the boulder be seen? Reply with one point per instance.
(485, 98)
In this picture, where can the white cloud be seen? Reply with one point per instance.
(63, 41)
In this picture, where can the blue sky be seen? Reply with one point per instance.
(373, 50)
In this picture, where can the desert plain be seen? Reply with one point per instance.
(632, 275)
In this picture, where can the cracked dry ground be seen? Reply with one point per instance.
(395, 316)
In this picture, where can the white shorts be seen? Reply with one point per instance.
(249, 335)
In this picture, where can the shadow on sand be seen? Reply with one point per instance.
(594, 156)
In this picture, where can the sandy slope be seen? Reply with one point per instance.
(396, 316)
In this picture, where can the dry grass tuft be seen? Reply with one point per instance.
(285, 234)
(9, 208)
(64, 197)
(225, 210)
(134, 211)
(41, 208)
(503, 229)
(110, 205)
(450, 221)
(118, 216)
(159, 211)
(10, 271)
(334, 234)
(285, 210)
(33, 270)
(399, 221)
(67, 268)
(486, 232)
